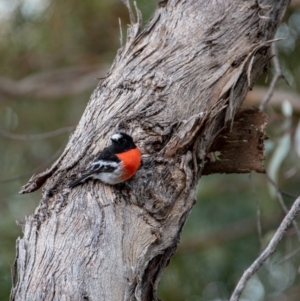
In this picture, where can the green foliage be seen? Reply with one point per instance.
(65, 33)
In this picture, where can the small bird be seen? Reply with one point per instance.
(115, 164)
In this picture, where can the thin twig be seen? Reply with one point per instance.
(37, 169)
(131, 14)
(227, 233)
(258, 214)
(121, 33)
(37, 136)
(270, 249)
(256, 96)
(289, 256)
(54, 84)
(278, 74)
(289, 195)
(282, 203)
(139, 15)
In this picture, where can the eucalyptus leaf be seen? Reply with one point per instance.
(280, 153)
(297, 139)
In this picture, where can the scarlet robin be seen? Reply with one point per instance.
(115, 164)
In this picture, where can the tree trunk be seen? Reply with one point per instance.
(173, 87)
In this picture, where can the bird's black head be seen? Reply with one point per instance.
(123, 141)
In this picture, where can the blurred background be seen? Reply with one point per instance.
(51, 54)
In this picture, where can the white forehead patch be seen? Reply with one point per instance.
(116, 136)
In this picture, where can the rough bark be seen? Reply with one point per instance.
(173, 86)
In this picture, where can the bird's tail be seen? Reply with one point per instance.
(82, 179)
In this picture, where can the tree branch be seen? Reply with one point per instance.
(282, 203)
(53, 84)
(270, 249)
(256, 96)
(226, 233)
(28, 137)
(278, 74)
(38, 169)
(295, 3)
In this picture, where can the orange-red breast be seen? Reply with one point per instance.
(115, 164)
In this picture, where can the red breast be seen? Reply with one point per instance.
(131, 161)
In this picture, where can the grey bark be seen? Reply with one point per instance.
(173, 86)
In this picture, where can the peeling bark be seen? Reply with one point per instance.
(174, 86)
(240, 149)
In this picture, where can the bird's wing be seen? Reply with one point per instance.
(82, 179)
(109, 154)
(103, 166)
(107, 161)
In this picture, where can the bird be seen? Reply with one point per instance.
(115, 163)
